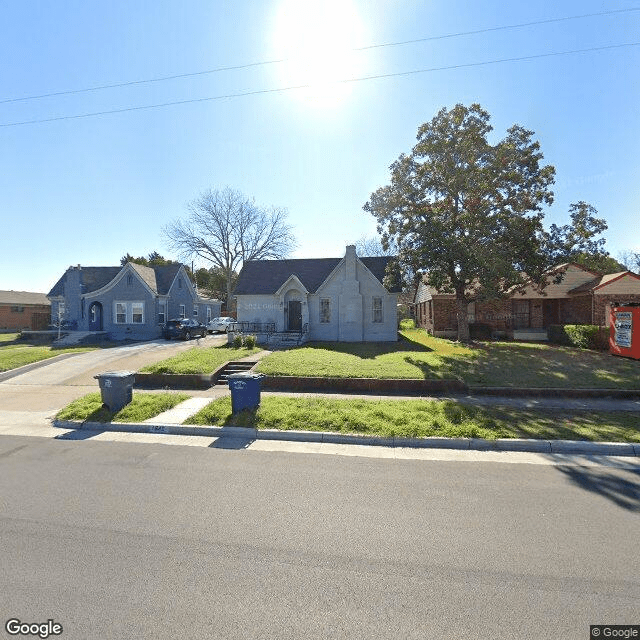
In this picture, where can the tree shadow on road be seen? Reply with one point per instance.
(622, 491)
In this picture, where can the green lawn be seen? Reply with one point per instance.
(419, 355)
(200, 359)
(422, 418)
(142, 406)
(17, 355)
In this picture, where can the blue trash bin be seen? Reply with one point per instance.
(245, 390)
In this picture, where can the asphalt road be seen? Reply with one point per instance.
(120, 540)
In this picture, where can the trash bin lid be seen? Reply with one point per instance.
(250, 375)
(115, 374)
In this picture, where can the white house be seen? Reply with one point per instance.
(326, 299)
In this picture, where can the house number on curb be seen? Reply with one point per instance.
(157, 429)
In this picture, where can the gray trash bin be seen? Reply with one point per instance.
(116, 388)
(245, 390)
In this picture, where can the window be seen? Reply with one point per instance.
(137, 312)
(195, 311)
(325, 310)
(377, 309)
(208, 314)
(179, 283)
(129, 281)
(183, 311)
(128, 312)
(162, 312)
(121, 313)
(17, 309)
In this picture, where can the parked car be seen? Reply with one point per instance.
(184, 328)
(223, 325)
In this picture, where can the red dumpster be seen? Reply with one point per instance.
(624, 331)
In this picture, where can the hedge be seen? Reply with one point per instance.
(583, 336)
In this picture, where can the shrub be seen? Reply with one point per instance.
(480, 331)
(407, 323)
(583, 336)
(237, 341)
(250, 342)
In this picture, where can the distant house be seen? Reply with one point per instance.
(128, 302)
(329, 299)
(24, 310)
(581, 297)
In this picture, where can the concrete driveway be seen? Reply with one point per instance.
(42, 392)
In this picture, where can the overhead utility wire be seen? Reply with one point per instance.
(281, 60)
(309, 85)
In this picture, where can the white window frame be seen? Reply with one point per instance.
(208, 314)
(162, 312)
(377, 310)
(195, 310)
(128, 316)
(137, 310)
(120, 314)
(183, 311)
(325, 303)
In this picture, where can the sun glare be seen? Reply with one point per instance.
(317, 39)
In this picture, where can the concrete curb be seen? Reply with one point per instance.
(13, 373)
(470, 444)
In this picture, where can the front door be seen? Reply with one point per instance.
(295, 316)
(551, 311)
(95, 317)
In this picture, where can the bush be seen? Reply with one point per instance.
(250, 342)
(407, 323)
(583, 336)
(237, 341)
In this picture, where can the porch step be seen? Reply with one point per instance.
(234, 367)
(78, 337)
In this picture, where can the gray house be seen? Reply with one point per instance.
(129, 302)
(328, 299)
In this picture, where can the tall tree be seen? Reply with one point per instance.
(580, 242)
(465, 211)
(630, 260)
(225, 228)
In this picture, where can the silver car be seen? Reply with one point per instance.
(217, 325)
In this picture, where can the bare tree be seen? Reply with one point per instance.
(370, 246)
(226, 228)
(630, 260)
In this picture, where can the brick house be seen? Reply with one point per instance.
(24, 310)
(581, 297)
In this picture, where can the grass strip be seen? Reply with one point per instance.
(143, 406)
(14, 356)
(200, 360)
(422, 418)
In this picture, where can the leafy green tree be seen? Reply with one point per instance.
(467, 212)
(580, 241)
(213, 282)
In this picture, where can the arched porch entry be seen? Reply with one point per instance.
(95, 317)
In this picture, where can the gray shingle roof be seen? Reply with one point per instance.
(267, 276)
(159, 279)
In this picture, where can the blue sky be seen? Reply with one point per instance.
(88, 190)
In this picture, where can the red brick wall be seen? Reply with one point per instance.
(18, 320)
(602, 305)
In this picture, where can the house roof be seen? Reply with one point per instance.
(601, 281)
(267, 276)
(23, 298)
(159, 279)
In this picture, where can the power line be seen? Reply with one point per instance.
(281, 60)
(309, 85)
